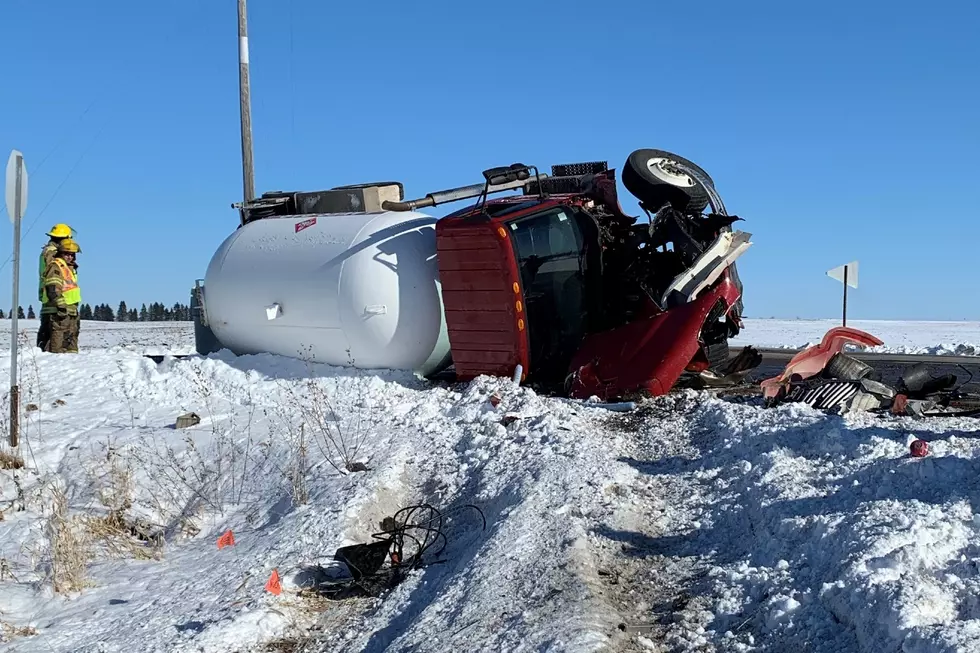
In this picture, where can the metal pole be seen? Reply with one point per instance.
(248, 175)
(845, 295)
(14, 390)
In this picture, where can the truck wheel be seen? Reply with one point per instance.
(651, 179)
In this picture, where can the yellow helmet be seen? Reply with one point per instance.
(60, 230)
(69, 245)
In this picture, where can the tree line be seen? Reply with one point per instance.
(155, 312)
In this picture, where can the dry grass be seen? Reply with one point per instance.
(307, 628)
(70, 546)
(9, 631)
(10, 459)
(320, 425)
(123, 539)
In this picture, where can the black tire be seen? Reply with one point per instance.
(683, 193)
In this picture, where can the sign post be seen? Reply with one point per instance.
(847, 274)
(15, 194)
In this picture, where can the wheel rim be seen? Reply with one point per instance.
(666, 170)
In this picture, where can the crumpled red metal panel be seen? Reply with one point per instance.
(812, 360)
(647, 354)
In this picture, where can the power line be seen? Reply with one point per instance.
(57, 190)
(61, 141)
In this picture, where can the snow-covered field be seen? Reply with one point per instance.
(146, 337)
(690, 524)
(959, 338)
(900, 337)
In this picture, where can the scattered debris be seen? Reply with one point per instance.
(826, 378)
(32, 408)
(187, 420)
(919, 449)
(732, 372)
(405, 539)
(814, 360)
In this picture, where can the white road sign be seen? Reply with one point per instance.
(852, 273)
(16, 161)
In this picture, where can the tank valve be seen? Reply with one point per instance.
(273, 311)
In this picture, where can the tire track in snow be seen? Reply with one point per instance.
(644, 581)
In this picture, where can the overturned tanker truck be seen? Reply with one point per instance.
(554, 285)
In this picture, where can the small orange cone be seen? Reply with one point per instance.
(228, 539)
(273, 585)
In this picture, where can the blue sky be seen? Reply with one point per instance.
(838, 130)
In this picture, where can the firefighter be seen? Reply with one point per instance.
(57, 234)
(61, 298)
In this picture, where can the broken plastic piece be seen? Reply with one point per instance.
(363, 559)
(273, 311)
(187, 420)
(813, 360)
(862, 401)
(707, 268)
(878, 388)
(919, 449)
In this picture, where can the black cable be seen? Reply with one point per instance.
(56, 191)
(61, 142)
(416, 529)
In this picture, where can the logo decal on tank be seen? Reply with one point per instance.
(300, 226)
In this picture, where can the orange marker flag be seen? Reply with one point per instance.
(273, 584)
(228, 539)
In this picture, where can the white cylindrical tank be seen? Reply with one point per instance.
(355, 289)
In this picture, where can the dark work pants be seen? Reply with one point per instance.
(44, 332)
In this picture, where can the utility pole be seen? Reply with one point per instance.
(16, 197)
(248, 174)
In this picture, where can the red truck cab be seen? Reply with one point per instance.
(585, 299)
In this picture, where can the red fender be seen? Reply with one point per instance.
(812, 360)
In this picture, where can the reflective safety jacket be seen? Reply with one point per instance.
(60, 288)
(48, 253)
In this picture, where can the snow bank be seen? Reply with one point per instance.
(538, 477)
(690, 524)
(820, 533)
(900, 337)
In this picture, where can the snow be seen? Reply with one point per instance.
(909, 337)
(143, 337)
(689, 524)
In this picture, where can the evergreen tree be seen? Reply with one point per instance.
(85, 312)
(30, 313)
(2, 315)
(144, 314)
(110, 316)
(134, 315)
(20, 313)
(122, 315)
